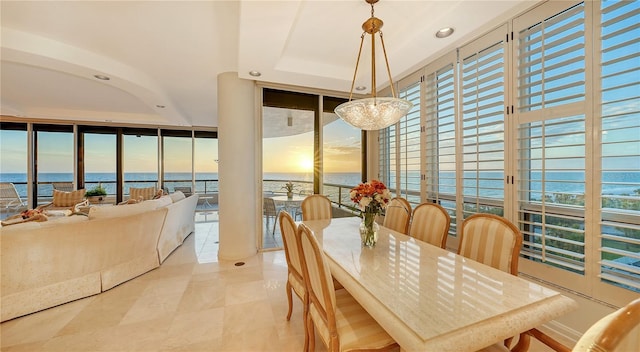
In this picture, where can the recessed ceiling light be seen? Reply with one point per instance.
(160, 106)
(255, 73)
(444, 32)
(361, 87)
(102, 77)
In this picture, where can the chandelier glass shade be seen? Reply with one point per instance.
(376, 112)
(373, 113)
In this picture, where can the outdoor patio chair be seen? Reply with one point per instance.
(10, 199)
(63, 186)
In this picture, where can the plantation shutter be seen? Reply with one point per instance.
(383, 155)
(409, 136)
(388, 156)
(550, 75)
(482, 72)
(440, 137)
(620, 144)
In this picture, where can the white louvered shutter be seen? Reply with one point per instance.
(409, 138)
(620, 143)
(482, 99)
(550, 75)
(440, 138)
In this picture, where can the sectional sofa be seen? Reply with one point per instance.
(45, 264)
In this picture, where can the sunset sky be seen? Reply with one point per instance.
(281, 154)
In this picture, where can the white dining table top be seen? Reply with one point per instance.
(428, 298)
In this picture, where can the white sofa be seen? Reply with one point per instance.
(45, 264)
(178, 224)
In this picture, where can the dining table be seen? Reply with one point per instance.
(292, 205)
(431, 299)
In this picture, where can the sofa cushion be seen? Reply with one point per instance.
(117, 211)
(177, 196)
(67, 199)
(144, 193)
(160, 202)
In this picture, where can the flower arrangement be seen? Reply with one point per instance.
(371, 197)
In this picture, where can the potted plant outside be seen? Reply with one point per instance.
(96, 194)
(289, 187)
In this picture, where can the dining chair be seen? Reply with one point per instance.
(295, 280)
(270, 210)
(341, 322)
(616, 332)
(316, 207)
(494, 241)
(491, 240)
(430, 223)
(397, 215)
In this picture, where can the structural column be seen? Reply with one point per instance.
(236, 171)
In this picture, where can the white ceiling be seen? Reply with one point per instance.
(169, 53)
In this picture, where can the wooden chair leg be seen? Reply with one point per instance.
(311, 334)
(305, 313)
(290, 299)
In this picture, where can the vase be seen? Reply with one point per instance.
(369, 229)
(289, 195)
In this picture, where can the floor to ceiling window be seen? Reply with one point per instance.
(13, 165)
(342, 154)
(99, 160)
(205, 166)
(139, 158)
(177, 151)
(316, 152)
(287, 156)
(54, 159)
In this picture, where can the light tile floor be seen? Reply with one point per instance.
(193, 302)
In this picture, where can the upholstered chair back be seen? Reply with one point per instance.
(397, 215)
(142, 193)
(430, 223)
(322, 299)
(316, 207)
(616, 332)
(292, 248)
(491, 240)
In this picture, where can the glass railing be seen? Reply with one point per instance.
(337, 193)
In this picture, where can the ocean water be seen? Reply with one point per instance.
(205, 182)
(491, 185)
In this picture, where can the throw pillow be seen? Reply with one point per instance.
(159, 194)
(160, 202)
(177, 196)
(146, 193)
(67, 199)
(130, 201)
(35, 215)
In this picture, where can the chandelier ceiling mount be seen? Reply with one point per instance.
(376, 112)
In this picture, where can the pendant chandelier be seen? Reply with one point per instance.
(376, 112)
